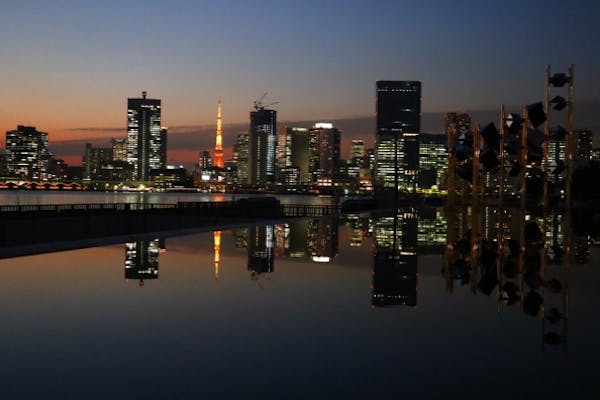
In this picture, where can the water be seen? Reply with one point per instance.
(11, 197)
(161, 319)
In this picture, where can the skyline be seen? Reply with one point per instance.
(320, 62)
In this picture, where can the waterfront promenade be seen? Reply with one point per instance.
(38, 228)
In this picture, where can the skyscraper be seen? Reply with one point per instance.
(397, 135)
(262, 143)
(119, 149)
(27, 152)
(328, 139)
(300, 152)
(240, 157)
(433, 161)
(93, 160)
(146, 140)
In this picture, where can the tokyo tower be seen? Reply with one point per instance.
(218, 156)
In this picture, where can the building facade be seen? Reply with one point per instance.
(27, 153)
(433, 161)
(327, 153)
(119, 149)
(146, 140)
(398, 108)
(262, 142)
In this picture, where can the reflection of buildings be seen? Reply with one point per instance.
(297, 239)
(141, 259)
(261, 250)
(323, 243)
(395, 260)
(217, 251)
(431, 236)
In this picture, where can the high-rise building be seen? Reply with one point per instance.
(397, 135)
(300, 152)
(119, 149)
(240, 157)
(262, 143)
(93, 159)
(328, 139)
(433, 161)
(206, 161)
(27, 152)
(218, 158)
(357, 158)
(146, 140)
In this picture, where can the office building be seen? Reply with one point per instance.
(240, 158)
(93, 159)
(326, 139)
(27, 153)
(119, 149)
(146, 140)
(356, 163)
(433, 161)
(398, 108)
(262, 141)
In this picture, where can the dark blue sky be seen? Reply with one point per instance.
(72, 64)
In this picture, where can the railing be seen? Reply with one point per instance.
(303, 210)
(212, 209)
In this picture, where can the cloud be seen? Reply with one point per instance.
(95, 129)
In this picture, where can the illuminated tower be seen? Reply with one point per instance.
(219, 143)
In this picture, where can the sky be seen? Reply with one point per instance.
(68, 67)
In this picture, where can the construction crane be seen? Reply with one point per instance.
(259, 105)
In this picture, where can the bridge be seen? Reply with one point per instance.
(38, 228)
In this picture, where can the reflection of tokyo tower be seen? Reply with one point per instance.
(217, 248)
(218, 156)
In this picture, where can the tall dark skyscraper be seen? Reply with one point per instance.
(146, 140)
(327, 149)
(299, 139)
(262, 144)
(397, 135)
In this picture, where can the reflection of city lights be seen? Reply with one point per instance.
(217, 249)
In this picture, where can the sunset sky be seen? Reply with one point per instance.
(68, 66)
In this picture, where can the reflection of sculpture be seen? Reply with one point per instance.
(517, 268)
(141, 259)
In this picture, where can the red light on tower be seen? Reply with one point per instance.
(144, 94)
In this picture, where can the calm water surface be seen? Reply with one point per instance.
(309, 309)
